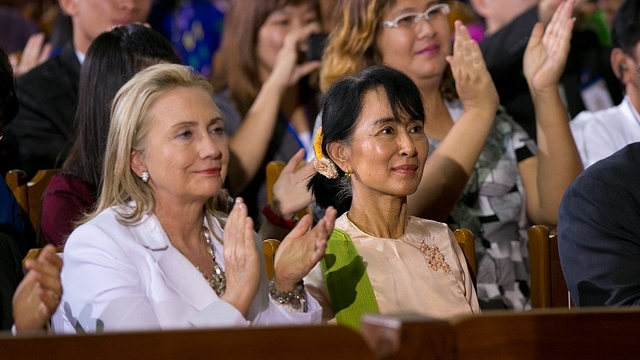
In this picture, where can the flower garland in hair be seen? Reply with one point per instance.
(321, 163)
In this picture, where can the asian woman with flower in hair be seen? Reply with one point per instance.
(371, 151)
(483, 173)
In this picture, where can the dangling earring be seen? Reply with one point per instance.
(347, 174)
(144, 176)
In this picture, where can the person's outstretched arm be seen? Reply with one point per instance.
(547, 175)
(447, 169)
(249, 144)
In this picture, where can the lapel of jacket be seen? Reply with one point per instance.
(178, 271)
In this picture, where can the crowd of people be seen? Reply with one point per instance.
(410, 124)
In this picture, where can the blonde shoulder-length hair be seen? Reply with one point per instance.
(351, 43)
(131, 115)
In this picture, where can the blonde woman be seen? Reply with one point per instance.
(159, 251)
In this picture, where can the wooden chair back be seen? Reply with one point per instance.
(466, 240)
(596, 333)
(273, 170)
(35, 252)
(269, 247)
(319, 342)
(548, 286)
(29, 193)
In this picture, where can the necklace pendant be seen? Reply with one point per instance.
(218, 280)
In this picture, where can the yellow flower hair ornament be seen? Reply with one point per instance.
(321, 163)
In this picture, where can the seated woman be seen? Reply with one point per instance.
(112, 59)
(370, 156)
(263, 91)
(159, 251)
(483, 172)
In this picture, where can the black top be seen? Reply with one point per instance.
(48, 95)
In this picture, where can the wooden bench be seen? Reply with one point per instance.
(586, 333)
(299, 342)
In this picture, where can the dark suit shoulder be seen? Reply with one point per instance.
(621, 168)
(56, 76)
(48, 97)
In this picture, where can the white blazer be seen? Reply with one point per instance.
(118, 278)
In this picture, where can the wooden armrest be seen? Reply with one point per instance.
(35, 252)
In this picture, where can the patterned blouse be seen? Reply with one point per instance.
(492, 206)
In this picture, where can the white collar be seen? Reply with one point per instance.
(80, 55)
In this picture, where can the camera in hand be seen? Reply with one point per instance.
(315, 46)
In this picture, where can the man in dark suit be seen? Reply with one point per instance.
(588, 74)
(599, 232)
(39, 135)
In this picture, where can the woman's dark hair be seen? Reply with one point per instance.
(341, 109)
(112, 60)
(8, 99)
(625, 27)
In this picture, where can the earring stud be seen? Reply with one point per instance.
(144, 176)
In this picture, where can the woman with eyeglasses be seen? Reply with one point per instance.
(483, 172)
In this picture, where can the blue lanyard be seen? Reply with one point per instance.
(293, 132)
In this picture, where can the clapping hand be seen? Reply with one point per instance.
(473, 81)
(241, 259)
(547, 51)
(546, 8)
(290, 193)
(301, 250)
(35, 53)
(38, 295)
